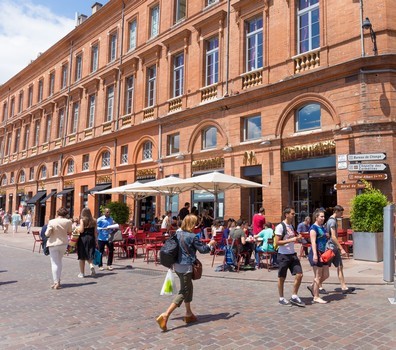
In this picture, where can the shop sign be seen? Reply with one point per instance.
(349, 186)
(208, 164)
(367, 176)
(367, 156)
(316, 149)
(367, 167)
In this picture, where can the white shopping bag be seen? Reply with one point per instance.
(169, 286)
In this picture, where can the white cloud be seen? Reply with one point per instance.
(26, 30)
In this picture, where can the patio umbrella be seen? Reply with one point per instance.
(216, 182)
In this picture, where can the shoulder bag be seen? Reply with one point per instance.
(115, 236)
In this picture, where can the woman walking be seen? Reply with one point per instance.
(57, 233)
(6, 221)
(28, 221)
(87, 242)
(16, 221)
(188, 245)
(319, 237)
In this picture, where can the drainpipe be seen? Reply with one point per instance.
(68, 95)
(159, 141)
(228, 49)
(361, 28)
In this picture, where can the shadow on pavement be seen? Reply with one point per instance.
(207, 318)
(73, 285)
(8, 282)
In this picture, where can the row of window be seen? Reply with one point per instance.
(308, 39)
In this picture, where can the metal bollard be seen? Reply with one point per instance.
(389, 243)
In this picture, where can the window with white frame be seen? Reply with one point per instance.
(78, 73)
(5, 111)
(252, 128)
(212, 61)
(27, 135)
(105, 159)
(12, 107)
(51, 88)
(148, 150)
(130, 82)
(12, 178)
(151, 85)
(124, 154)
(70, 166)
(4, 181)
(210, 2)
(154, 21)
(30, 96)
(61, 122)
(40, 90)
(209, 138)
(20, 102)
(180, 10)
(178, 75)
(308, 25)
(74, 123)
(43, 172)
(308, 117)
(22, 177)
(254, 43)
(132, 35)
(55, 169)
(31, 173)
(94, 58)
(91, 111)
(9, 139)
(64, 76)
(48, 128)
(36, 132)
(85, 162)
(17, 140)
(173, 144)
(113, 47)
(110, 103)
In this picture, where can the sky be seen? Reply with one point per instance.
(28, 27)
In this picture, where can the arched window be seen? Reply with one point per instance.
(43, 172)
(105, 159)
(308, 117)
(148, 150)
(4, 180)
(70, 166)
(209, 138)
(22, 177)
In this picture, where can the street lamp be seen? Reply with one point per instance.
(367, 25)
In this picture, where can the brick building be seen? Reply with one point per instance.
(277, 92)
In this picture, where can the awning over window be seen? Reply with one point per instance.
(65, 191)
(48, 196)
(36, 197)
(100, 187)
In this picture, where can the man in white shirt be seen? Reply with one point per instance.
(285, 237)
(166, 222)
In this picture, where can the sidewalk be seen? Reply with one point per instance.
(356, 272)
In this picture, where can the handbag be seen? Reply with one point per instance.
(23, 224)
(74, 239)
(97, 257)
(115, 236)
(329, 253)
(169, 252)
(197, 270)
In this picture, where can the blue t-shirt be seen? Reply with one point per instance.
(321, 237)
(102, 222)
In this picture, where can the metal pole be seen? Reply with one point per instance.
(389, 243)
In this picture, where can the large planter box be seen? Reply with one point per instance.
(368, 246)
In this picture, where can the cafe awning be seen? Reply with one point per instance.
(36, 197)
(98, 188)
(65, 191)
(48, 196)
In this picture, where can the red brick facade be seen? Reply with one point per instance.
(354, 88)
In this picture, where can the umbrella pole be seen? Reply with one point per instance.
(136, 212)
(216, 204)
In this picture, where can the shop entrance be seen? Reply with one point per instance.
(311, 190)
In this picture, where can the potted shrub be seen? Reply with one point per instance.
(120, 212)
(367, 220)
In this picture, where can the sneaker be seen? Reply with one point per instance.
(93, 273)
(110, 268)
(101, 268)
(297, 301)
(310, 288)
(349, 290)
(284, 302)
(80, 275)
(323, 291)
(319, 301)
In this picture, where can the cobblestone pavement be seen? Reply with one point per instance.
(117, 310)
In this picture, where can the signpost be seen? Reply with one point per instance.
(367, 156)
(367, 176)
(349, 186)
(367, 167)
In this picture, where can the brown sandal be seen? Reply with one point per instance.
(190, 319)
(161, 320)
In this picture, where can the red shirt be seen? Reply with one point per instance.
(258, 223)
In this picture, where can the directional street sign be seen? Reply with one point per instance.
(349, 186)
(367, 176)
(367, 156)
(366, 167)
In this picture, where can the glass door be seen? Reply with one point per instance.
(301, 196)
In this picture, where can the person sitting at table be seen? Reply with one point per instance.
(131, 232)
(166, 221)
(239, 234)
(217, 227)
(262, 238)
(304, 227)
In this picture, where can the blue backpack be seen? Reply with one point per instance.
(230, 258)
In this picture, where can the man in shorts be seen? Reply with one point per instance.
(332, 227)
(287, 257)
